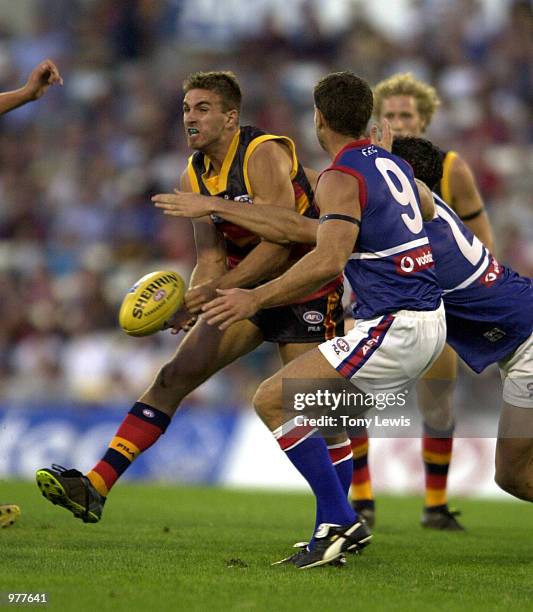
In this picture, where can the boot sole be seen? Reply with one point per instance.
(53, 491)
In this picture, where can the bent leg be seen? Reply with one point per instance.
(204, 351)
(514, 454)
(434, 393)
(306, 450)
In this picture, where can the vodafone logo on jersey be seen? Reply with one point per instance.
(413, 261)
(492, 274)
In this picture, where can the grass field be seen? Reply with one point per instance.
(175, 548)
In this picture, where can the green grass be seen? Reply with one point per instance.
(176, 548)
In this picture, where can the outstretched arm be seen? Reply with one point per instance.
(337, 193)
(271, 222)
(40, 79)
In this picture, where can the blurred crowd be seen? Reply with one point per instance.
(78, 166)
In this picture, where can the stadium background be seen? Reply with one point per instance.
(76, 225)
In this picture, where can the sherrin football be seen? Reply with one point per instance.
(151, 301)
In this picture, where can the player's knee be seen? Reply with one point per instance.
(514, 482)
(265, 402)
(176, 378)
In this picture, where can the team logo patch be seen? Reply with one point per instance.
(313, 317)
(148, 413)
(494, 334)
(342, 345)
(413, 261)
(159, 295)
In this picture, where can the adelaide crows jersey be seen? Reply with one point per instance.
(391, 267)
(233, 184)
(442, 188)
(489, 307)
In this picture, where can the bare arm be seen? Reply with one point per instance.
(466, 201)
(336, 193)
(270, 220)
(427, 205)
(40, 79)
(269, 171)
(210, 250)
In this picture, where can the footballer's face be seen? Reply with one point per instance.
(402, 114)
(204, 119)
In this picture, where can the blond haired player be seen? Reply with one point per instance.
(409, 104)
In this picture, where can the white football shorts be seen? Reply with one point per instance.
(516, 371)
(386, 354)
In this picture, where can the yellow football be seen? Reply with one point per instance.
(151, 302)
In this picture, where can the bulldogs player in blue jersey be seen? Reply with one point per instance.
(489, 308)
(489, 315)
(369, 197)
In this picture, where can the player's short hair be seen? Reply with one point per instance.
(423, 156)
(345, 101)
(405, 84)
(223, 82)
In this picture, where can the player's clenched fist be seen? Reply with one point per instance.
(40, 79)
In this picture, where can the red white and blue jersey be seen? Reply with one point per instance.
(489, 307)
(392, 267)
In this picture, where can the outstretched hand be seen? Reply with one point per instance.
(231, 306)
(181, 320)
(41, 78)
(183, 204)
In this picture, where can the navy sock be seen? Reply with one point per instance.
(342, 458)
(310, 457)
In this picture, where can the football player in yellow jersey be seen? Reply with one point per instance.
(408, 105)
(40, 79)
(248, 166)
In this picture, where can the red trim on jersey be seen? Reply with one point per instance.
(354, 144)
(357, 175)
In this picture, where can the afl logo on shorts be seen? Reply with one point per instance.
(313, 317)
(342, 345)
(148, 413)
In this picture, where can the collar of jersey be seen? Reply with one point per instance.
(222, 182)
(354, 144)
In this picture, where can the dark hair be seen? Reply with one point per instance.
(423, 156)
(224, 83)
(345, 101)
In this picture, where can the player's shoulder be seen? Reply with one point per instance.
(270, 149)
(458, 166)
